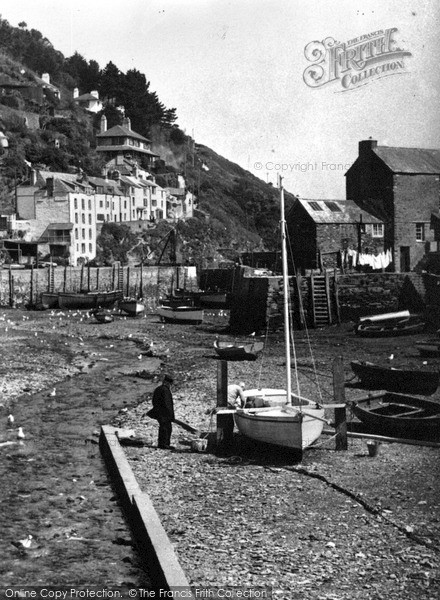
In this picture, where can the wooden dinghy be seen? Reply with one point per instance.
(103, 317)
(134, 308)
(294, 425)
(88, 300)
(237, 350)
(398, 415)
(410, 381)
(390, 325)
(181, 314)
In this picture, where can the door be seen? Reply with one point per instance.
(405, 262)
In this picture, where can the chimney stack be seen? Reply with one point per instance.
(45, 77)
(367, 145)
(126, 122)
(75, 93)
(103, 124)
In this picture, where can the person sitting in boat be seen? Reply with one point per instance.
(236, 398)
(163, 411)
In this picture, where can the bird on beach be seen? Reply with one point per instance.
(26, 543)
(20, 434)
(53, 392)
(11, 419)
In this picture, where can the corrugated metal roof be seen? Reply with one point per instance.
(321, 211)
(410, 160)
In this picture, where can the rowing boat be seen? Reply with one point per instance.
(181, 314)
(410, 381)
(238, 351)
(390, 325)
(398, 415)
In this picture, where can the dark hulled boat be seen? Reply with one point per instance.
(410, 381)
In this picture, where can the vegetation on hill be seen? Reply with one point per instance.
(235, 209)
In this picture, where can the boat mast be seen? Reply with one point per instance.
(286, 294)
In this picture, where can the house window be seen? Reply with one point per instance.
(101, 204)
(90, 248)
(333, 206)
(377, 230)
(90, 219)
(76, 234)
(90, 234)
(76, 217)
(420, 232)
(83, 233)
(75, 202)
(83, 248)
(315, 206)
(100, 217)
(90, 204)
(83, 203)
(83, 218)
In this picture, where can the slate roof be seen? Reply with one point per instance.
(121, 131)
(410, 160)
(349, 212)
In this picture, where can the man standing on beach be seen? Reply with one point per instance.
(163, 411)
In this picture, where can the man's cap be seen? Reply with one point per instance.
(168, 378)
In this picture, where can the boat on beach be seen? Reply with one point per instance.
(277, 416)
(180, 314)
(390, 324)
(398, 415)
(409, 381)
(88, 300)
(132, 307)
(238, 350)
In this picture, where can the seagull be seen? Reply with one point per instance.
(11, 419)
(391, 356)
(53, 392)
(26, 543)
(20, 434)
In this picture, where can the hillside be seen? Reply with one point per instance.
(236, 210)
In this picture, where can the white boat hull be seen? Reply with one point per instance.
(294, 426)
(180, 314)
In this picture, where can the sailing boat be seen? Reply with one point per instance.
(282, 419)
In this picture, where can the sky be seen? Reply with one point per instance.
(234, 71)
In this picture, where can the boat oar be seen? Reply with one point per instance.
(186, 426)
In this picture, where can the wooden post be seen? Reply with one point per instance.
(141, 283)
(88, 278)
(11, 289)
(128, 282)
(225, 423)
(97, 279)
(113, 277)
(65, 279)
(31, 289)
(340, 409)
(81, 283)
(336, 291)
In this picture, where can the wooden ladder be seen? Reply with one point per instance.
(321, 302)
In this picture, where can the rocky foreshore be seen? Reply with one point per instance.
(340, 525)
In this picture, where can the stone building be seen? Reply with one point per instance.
(401, 187)
(325, 234)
